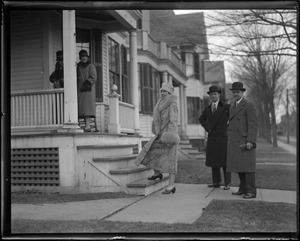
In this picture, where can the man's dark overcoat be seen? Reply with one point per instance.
(216, 126)
(243, 128)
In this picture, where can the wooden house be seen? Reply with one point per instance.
(49, 150)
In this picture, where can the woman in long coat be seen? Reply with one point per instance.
(160, 153)
(86, 78)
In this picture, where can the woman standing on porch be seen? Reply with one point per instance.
(160, 153)
(86, 78)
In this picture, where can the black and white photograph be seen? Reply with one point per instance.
(149, 120)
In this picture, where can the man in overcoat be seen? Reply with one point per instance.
(242, 134)
(214, 120)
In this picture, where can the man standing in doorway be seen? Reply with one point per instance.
(214, 120)
(242, 133)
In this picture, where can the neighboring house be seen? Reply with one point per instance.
(186, 35)
(49, 149)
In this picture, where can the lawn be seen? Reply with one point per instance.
(218, 217)
(267, 176)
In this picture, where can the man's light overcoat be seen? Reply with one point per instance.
(243, 127)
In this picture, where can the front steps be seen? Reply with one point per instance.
(186, 151)
(146, 187)
(112, 169)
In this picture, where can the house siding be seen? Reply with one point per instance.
(105, 68)
(26, 51)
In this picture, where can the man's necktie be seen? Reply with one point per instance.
(214, 108)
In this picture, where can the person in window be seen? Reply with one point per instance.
(57, 76)
(86, 78)
(214, 120)
(160, 153)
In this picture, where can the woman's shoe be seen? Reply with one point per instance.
(160, 176)
(167, 191)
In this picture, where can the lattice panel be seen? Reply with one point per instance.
(35, 167)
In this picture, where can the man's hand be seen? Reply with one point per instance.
(249, 145)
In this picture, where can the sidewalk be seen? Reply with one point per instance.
(185, 206)
(287, 147)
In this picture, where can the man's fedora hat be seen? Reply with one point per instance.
(237, 86)
(214, 88)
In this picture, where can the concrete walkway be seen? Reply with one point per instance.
(185, 206)
(287, 147)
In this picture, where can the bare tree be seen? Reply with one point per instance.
(228, 24)
(264, 76)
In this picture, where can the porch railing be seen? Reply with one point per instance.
(37, 108)
(126, 115)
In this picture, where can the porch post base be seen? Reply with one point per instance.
(114, 128)
(70, 128)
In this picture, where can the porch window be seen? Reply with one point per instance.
(125, 92)
(114, 63)
(149, 84)
(193, 109)
(83, 39)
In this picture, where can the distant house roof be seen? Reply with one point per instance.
(178, 30)
(214, 73)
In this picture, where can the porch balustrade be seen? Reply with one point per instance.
(126, 117)
(45, 109)
(37, 108)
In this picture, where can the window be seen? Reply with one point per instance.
(114, 64)
(149, 84)
(125, 69)
(83, 41)
(196, 66)
(193, 109)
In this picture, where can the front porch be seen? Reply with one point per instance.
(43, 110)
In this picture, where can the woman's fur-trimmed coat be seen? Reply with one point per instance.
(156, 154)
(86, 99)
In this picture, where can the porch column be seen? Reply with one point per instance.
(70, 75)
(171, 80)
(134, 78)
(183, 113)
(165, 77)
(184, 108)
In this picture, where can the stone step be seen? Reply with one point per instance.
(106, 150)
(189, 148)
(145, 187)
(107, 163)
(196, 153)
(184, 142)
(130, 174)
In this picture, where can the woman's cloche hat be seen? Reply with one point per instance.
(167, 87)
(214, 88)
(237, 86)
(83, 53)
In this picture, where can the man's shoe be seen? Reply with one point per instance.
(238, 193)
(214, 185)
(227, 187)
(249, 196)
